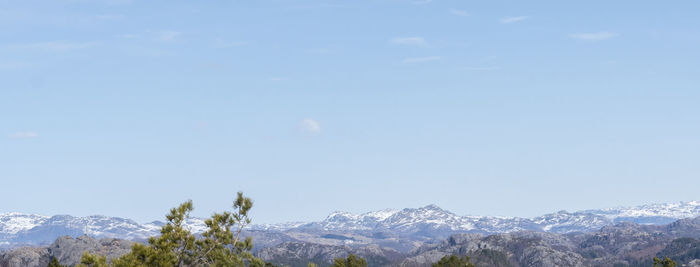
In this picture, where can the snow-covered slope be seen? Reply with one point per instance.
(27, 229)
(14, 222)
(651, 213)
(433, 218)
(425, 222)
(349, 221)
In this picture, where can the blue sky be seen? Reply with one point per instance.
(511, 108)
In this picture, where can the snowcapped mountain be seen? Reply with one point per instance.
(431, 220)
(651, 213)
(18, 229)
(276, 226)
(348, 221)
(430, 216)
(424, 223)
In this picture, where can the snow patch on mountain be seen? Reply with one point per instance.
(430, 216)
(671, 210)
(276, 226)
(437, 219)
(14, 222)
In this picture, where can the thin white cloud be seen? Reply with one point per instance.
(458, 12)
(593, 36)
(419, 41)
(509, 20)
(23, 135)
(309, 125)
(56, 46)
(421, 2)
(168, 36)
(420, 59)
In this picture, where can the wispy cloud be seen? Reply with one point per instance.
(458, 12)
(309, 125)
(23, 135)
(56, 46)
(509, 20)
(593, 36)
(420, 59)
(419, 41)
(168, 36)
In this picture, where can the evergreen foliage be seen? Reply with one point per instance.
(221, 244)
(90, 260)
(350, 261)
(682, 250)
(54, 263)
(453, 261)
(667, 262)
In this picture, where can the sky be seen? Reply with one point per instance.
(503, 108)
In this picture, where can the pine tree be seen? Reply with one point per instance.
(221, 245)
(667, 262)
(351, 261)
(54, 263)
(90, 260)
(453, 261)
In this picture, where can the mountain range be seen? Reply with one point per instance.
(403, 230)
(622, 244)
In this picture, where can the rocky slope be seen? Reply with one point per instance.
(300, 254)
(622, 244)
(66, 250)
(510, 249)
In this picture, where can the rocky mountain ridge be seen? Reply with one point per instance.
(66, 250)
(621, 244)
(398, 229)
